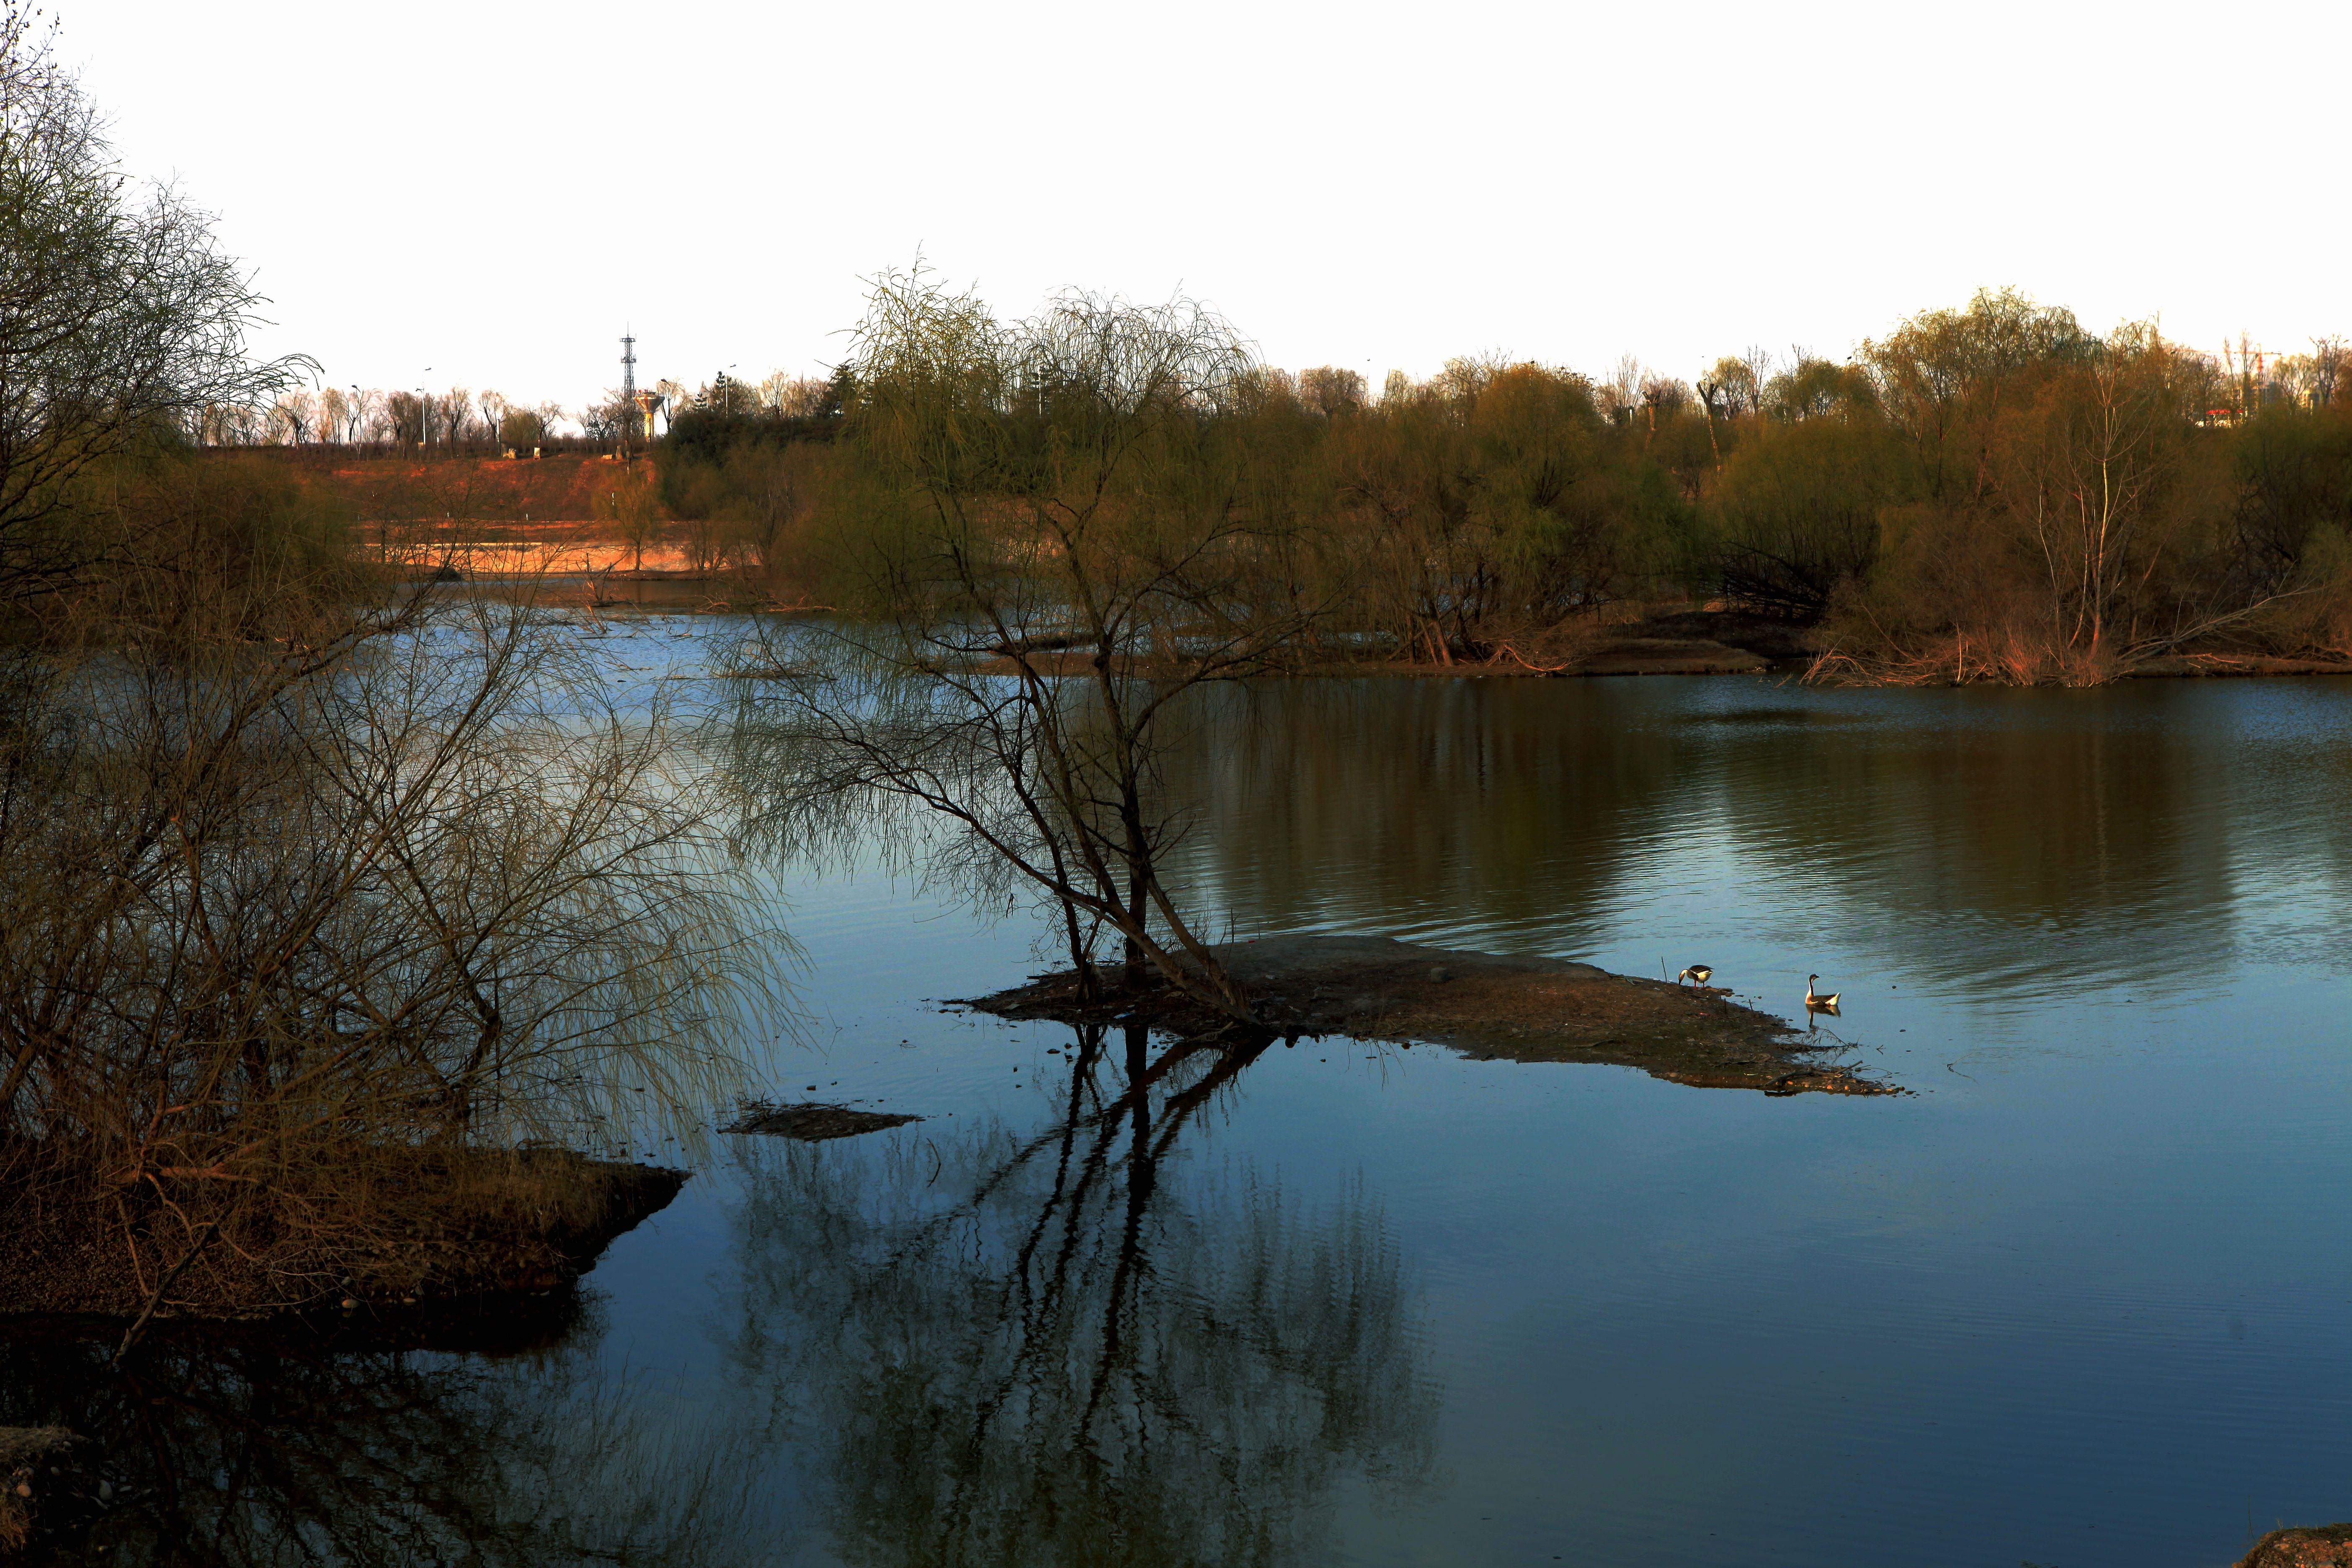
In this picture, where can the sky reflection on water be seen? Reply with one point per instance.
(2084, 1297)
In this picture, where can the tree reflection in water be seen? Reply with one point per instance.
(1075, 1347)
(260, 1446)
(2011, 842)
(1068, 1349)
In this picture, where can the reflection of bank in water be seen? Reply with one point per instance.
(264, 1444)
(1077, 1345)
(2019, 845)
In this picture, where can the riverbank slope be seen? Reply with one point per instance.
(390, 1228)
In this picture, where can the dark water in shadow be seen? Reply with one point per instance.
(2086, 1297)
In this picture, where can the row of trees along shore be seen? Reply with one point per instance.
(1052, 534)
(338, 421)
(362, 419)
(1990, 492)
(338, 910)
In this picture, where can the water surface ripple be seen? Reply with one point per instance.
(2084, 1297)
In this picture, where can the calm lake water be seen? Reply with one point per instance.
(2084, 1296)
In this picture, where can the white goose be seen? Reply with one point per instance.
(1814, 998)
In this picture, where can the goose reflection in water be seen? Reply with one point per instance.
(1076, 1345)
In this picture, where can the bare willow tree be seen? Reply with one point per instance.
(311, 881)
(1054, 542)
(118, 316)
(287, 915)
(2091, 520)
(2097, 484)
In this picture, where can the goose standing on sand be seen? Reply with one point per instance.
(1813, 998)
(1696, 973)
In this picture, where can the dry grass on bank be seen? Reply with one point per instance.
(372, 1225)
(302, 934)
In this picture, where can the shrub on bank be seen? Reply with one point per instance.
(321, 892)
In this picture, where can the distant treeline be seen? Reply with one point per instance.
(457, 421)
(1990, 492)
(362, 419)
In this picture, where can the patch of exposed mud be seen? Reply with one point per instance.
(1489, 1006)
(811, 1122)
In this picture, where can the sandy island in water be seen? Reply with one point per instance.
(1491, 1006)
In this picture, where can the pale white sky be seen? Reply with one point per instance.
(495, 189)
